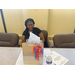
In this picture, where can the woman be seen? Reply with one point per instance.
(29, 23)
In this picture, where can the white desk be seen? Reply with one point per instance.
(13, 55)
(9, 55)
(68, 53)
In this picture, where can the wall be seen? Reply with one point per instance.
(29, 13)
(61, 21)
(15, 19)
(1, 24)
(55, 21)
(40, 17)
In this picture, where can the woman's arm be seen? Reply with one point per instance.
(23, 38)
(42, 37)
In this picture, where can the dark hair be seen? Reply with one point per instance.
(29, 19)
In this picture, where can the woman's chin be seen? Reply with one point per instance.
(30, 29)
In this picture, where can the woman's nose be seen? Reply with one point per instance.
(30, 26)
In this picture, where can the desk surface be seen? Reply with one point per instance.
(9, 55)
(69, 53)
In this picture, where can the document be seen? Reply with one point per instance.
(58, 59)
(33, 38)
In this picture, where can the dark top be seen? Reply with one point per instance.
(36, 31)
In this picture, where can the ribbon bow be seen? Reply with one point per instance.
(37, 50)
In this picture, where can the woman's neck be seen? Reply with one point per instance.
(30, 31)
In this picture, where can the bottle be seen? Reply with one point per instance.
(49, 60)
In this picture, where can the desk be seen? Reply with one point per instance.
(11, 55)
(69, 53)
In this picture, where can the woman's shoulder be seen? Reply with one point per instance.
(37, 30)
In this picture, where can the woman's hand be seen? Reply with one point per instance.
(42, 37)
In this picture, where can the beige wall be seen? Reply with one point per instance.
(55, 21)
(61, 21)
(40, 17)
(15, 19)
(1, 24)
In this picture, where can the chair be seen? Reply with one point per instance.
(9, 40)
(47, 43)
(64, 40)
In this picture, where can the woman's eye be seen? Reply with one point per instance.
(28, 25)
(32, 24)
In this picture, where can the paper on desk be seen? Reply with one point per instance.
(58, 59)
(33, 38)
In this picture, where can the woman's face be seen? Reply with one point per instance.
(30, 25)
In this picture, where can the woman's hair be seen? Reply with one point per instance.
(29, 19)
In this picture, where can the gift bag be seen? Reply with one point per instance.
(28, 57)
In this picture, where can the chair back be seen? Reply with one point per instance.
(64, 40)
(8, 39)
